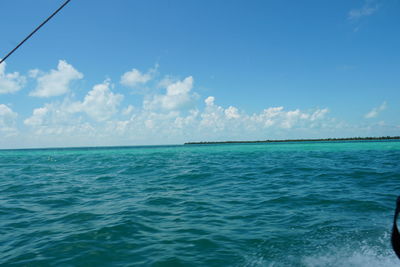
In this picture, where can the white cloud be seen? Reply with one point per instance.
(232, 113)
(56, 115)
(101, 103)
(170, 113)
(65, 118)
(319, 114)
(209, 101)
(10, 82)
(178, 94)
(231, 122)
(164, 118)
(135, 77)
(278, 117)
(367, 9)
(375, 111)
(152, 126)
(38, 116)
(169, 117)
(56, 82)
(7, 120)
(60, 124)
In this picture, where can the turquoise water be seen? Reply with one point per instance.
(299, 204)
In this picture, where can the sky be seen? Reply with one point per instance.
(133, 72)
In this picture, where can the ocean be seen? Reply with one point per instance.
(267, 204)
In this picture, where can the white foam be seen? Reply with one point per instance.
(363, 256)
(348, 253)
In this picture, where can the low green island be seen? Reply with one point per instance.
(299, 140)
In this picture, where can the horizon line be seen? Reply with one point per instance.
(211, 143)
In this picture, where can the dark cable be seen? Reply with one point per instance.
(395, 231)
(32, 33)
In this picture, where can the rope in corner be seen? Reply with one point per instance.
(34, 31)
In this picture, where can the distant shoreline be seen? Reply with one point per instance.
(298, 140)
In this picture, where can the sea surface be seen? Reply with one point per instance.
(280, 204)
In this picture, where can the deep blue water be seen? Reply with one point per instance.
(299, 204)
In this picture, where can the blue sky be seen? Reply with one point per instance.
(164, 72)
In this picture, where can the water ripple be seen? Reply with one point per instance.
(239, 205)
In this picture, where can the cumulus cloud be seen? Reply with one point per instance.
(60, 124)
(173, 116)
(56, 115)
(135, 77)
(234, 123)
(232, 113)
(167, 123)
(101, 103)
(178, 94)
(7, 120)
(10, 82)
(209, 101)
(170, 112)
(55, 82)
(212, 123)
(376, 111)
(59, 120)
(38, 116)
(367, 9)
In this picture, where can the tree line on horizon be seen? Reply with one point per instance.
(298, 140)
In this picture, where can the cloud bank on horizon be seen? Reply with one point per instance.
(171, 112)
